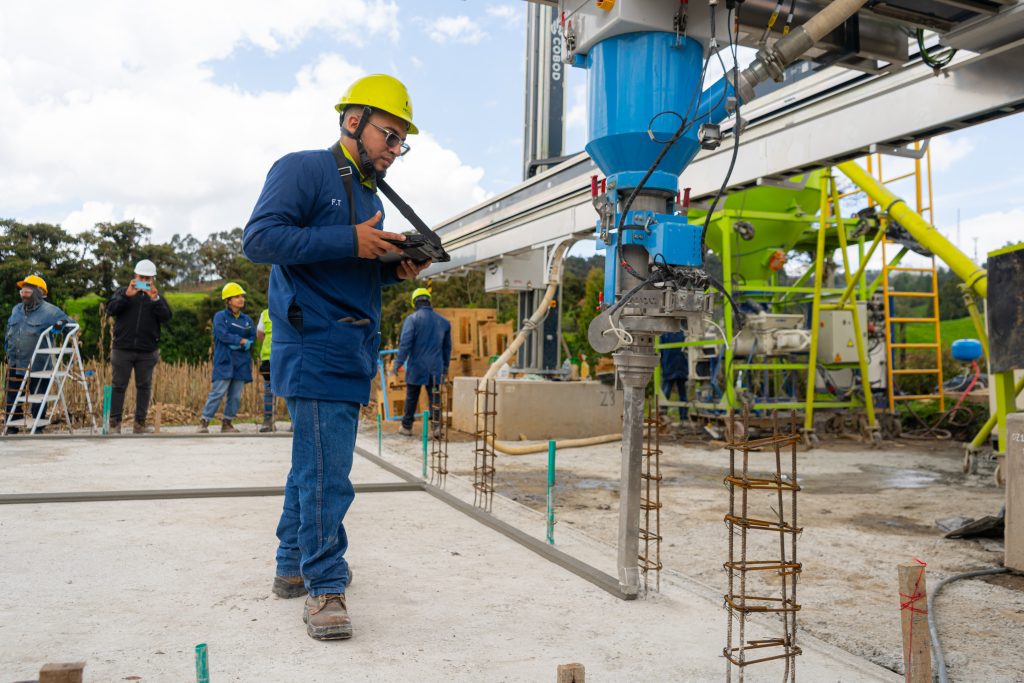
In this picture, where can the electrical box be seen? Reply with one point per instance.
(516, 273)
(836, 342)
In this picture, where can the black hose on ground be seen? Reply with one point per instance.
(940, 661)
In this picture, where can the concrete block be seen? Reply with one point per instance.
(541, 409)
(1014, 473)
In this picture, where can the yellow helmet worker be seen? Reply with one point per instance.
(35, 280)
(231, 289)
(382, 92)
(421, 291)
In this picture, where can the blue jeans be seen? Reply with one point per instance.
(231, 387)
(318, 494)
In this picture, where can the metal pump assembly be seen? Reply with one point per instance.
(649, 116)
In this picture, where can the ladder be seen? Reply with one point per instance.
(55, 360)
(894, 300)
(847, 302)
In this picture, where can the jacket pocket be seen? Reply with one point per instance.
(348, 345)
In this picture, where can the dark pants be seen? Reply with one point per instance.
(35, 386)
(268, 395)
(412, 398)
(122, 363)
(667, 385)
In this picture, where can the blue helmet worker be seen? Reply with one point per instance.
(425, 349)
(675, 369)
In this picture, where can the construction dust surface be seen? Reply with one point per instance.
(132, 586)
(863, 511)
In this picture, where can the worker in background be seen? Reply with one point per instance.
(318, 220)
(138, 312)
(264, 331)
(675, 370)
(233, 335)
(28, 320)
(425, 349)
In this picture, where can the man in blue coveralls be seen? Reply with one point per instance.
(425, 349)
(28, 320)
(675, 369)
(322, 232)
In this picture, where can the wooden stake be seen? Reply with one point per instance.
(69, 672)
(571, 673)
(917, 646)
(158, 414)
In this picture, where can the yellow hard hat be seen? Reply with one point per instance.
(231, 289)
(422, 291)
(383, 92)
(35, 280)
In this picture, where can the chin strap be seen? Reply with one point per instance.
(365, 165)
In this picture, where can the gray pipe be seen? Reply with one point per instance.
(940, 661)
(771, 62)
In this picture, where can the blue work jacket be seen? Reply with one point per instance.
(324, 299)
(673, 361)
(425, 347)
(23, 330)
(230, 360)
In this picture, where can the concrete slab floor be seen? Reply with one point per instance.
(132, 586)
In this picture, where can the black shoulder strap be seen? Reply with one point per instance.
(345, 171)
(409, 214)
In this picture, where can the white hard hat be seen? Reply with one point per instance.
(145, 267)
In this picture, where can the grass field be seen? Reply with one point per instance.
(951, 330)
(75, 307)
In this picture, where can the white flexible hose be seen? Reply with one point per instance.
(554, 277)
(826, 21)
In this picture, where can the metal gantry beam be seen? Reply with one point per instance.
(827, 118)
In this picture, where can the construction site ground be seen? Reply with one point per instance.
(131, 587)
(864, 511)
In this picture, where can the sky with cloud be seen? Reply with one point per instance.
(171, 112)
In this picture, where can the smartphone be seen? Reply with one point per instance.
(141, 285)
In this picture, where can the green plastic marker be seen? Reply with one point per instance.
(202, 665)
(426, 427)
(551, 488)
(108, 391)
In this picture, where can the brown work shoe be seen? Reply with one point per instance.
(226, 426)
(115, 428)
(289, 586)
(204, 427)
(326, 617)
(142, 428)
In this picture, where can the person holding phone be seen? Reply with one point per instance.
(138, 311)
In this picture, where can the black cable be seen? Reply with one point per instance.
(735, 145)
(934, 61)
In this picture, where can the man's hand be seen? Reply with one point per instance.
(371, 240)
(409, 269)
(152, 293)
(131, 291)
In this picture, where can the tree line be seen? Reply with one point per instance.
(99, 260)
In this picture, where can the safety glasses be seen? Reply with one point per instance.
(392, 140)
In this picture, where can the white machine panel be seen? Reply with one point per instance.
(516, 273)
(835, 335)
